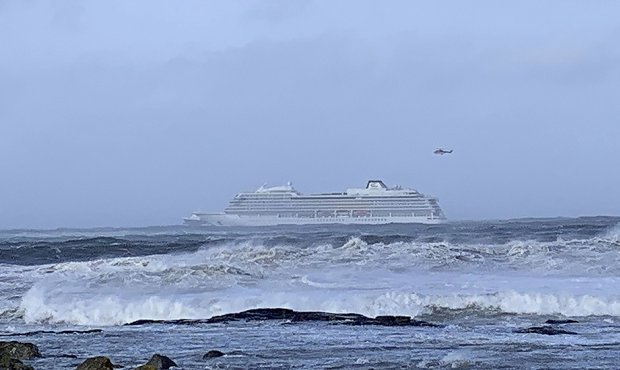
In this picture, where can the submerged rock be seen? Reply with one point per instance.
(173, 322)
(212, 354)
(157, 362)
(400, 321)
(562, 321)
(19, 351)
(62, 332)
(96, 363)
(65, 355)
(546, 330)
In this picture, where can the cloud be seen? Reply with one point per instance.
(119, 113)
(277, 11)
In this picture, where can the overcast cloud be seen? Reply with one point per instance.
(129, 113)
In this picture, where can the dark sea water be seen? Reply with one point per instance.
(483, 283)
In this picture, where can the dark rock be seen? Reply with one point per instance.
(67, 356)
(157, 362)
(8, 363)
(259, 314)
(566, 321)
(212, 354)
(168, 322)
(394, 320)
(263, 314)
(546, 330)
(335, 318)
(401, 321)
(144, 322)
(96, 363)
(19, 351)
(38, 332)
(284, 314)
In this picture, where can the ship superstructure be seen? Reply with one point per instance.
(281, 205)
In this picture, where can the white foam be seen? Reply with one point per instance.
(402, 278)
(107, 305)
(99, 309)
(458, 359)
(510, 302)
(613, 234)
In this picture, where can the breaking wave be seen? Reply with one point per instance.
(196, 277)
(394, 279)
(114, 309)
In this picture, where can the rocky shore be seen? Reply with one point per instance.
(17, 355)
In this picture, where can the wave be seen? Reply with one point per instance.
(36, 248)
(222, 280)
(11, 314)
(35, 251)
(368, 274)
(107, 308)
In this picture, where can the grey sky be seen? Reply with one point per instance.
(127, 113)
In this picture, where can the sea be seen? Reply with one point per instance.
(508, 294)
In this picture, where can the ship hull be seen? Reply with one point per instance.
(223, 219)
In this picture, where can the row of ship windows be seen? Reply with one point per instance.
(336, 215)
(314, 199)
(299, 204)
(328, 207)
(326, 196)
(365, 220)
(327, 212)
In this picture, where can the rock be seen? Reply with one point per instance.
(394, 320)
(399, 321)
(566, 321)
(8, 363)
(146, 367)
(173, 322)
(66, 356)
(157, 362)
(145, 322)
(264, 314)
(212, 354)
(96, 363)
(546, 330)
(39, 332)
(19, 351)
(258, 314)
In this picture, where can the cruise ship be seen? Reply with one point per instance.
(283, 205)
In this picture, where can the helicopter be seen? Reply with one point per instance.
(441, 151)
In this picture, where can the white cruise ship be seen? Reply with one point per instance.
(283, 205)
